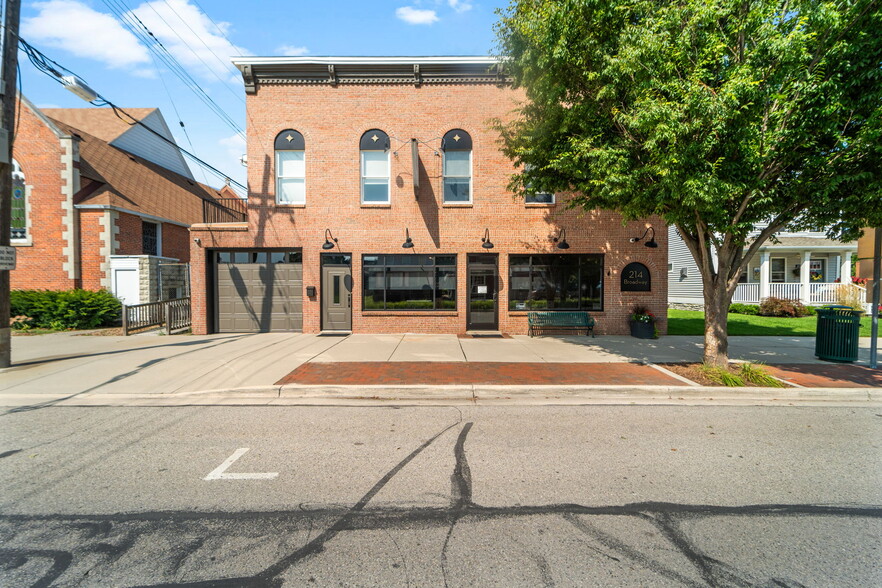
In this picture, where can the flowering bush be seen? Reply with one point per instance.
(641, 314)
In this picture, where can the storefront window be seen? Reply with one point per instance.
(409, 282)
(556, 282)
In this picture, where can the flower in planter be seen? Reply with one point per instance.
(641, 314)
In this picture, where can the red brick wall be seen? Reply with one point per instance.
(332, 120)
(129, 235)
(92, 238)
(39, 152)
(176, 242)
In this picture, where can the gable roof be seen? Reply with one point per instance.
(123, 180)
(102, 123)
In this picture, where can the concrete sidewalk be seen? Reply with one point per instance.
(72, 368)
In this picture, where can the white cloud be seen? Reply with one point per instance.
(78, 29)
(292, 51)
(415, 16)
(460, 5)
(190, 36)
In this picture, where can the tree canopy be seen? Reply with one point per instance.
(716, 115)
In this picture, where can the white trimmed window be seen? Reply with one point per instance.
(290, 168)
(374, 147)
(457, 148)
(537, 197)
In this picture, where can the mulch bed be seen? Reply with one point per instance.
(693, 371)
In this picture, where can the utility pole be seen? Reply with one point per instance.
(8, 88)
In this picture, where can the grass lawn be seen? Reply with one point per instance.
(691, 322)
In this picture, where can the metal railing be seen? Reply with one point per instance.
(225, 210)
(174, 314)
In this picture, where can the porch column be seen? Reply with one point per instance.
(805, 278)
(765, 275)
(845, 269)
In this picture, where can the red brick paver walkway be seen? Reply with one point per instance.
(506, 373)
(815, 375)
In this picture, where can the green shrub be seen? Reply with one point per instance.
(738, 308)
(66, 309)
(772, 306)
(757, 374)
(721, 376)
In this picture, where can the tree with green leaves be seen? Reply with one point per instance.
(717, 115)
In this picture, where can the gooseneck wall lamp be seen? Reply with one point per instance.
(408, 242)
(328, 238)
(651, 243)
(561, 240)
(485, 240)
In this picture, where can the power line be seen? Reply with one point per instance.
(193, 51)
(54, 70)
(131, 21)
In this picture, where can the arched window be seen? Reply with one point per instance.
(457, 148)
(374, 146)
(19, 225)
(290, 168)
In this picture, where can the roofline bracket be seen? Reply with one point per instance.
(417, 76)
(248, 78)
(332, 75)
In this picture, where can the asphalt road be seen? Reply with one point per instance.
(441, 496)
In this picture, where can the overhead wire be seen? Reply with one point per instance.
(137, 27)
(54, 70)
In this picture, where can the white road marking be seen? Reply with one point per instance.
(218, 473)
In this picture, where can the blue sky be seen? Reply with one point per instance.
(88, 37)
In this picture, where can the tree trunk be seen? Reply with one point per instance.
(716, 317)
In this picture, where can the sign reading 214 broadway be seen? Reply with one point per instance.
(636, 278)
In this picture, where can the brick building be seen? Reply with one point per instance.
(101, 202)
(378, 203)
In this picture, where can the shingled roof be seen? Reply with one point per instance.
(103, 123)
(123, 180)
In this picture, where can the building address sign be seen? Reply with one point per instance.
(636, 278)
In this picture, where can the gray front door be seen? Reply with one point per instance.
(336, 297)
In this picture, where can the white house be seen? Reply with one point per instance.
(804, 266)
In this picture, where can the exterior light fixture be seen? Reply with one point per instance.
(651, 243)
(328, 238)
(485, 240)
(408, 242)
(561, 240)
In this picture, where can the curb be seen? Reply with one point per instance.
(370, 395)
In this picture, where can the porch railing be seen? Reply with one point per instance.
(747, 293)
(819, 292)
(174, 314)
(785, 290)
(224, 210)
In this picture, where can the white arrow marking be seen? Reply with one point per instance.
(218, 473)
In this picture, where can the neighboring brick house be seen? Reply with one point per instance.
(378, 203)
(101, 203)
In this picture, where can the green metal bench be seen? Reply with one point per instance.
(561, 321)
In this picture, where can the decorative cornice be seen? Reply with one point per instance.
(335, 71)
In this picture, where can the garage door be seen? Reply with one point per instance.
(259, 291)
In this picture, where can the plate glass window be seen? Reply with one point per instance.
(290, 168)
(457, 149)
(556, 282)
(374, 147)
(409, 282)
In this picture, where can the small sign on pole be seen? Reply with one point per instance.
(7, 258)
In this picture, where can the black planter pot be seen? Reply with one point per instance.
(642, 330)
